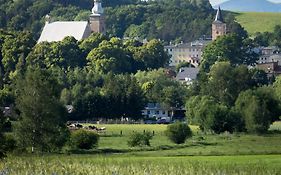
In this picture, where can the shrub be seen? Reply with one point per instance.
(178, 132)
(83, 139)
(140, 139)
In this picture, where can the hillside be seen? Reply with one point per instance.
(250, 6)
(258, 22)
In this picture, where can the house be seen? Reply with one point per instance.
(58, 30)
(158, 112)
(155, 110)
(187, 75)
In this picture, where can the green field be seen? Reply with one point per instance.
(120, 165)
(258, 22)
(204, 153)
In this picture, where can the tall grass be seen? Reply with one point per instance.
(141, 165)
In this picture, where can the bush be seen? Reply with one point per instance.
(83, 139)
(178, 132)
(140, 139)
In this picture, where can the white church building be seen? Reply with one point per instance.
(58, 30)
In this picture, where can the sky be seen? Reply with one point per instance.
(215, 2)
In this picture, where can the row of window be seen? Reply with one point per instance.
(156, 112)
(180, 61)
(184, 50)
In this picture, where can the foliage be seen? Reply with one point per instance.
(83, 139)
(269, 38)
(225, 82)
(42, 116)
(159, 87)
(230, 48)
(210, 115)
(140, 139)
(259, 109)
(178, 132)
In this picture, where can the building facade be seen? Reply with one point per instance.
(186, 52)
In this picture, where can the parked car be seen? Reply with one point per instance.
(163, 121)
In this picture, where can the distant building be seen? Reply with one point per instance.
(269, 60)
(192, 52)
(186, 52)
(158, 111)
(269, 54)
(155, 110)
(218, 26)
(57, 31)
(271, 68)
(187, 75)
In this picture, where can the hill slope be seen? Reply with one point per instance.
(251, 6)
(258, 22)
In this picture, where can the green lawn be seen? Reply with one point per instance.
(258, 22)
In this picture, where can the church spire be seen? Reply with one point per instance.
(97, 9)
(219, 15)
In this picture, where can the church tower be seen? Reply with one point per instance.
(218, 26)
(97, 19)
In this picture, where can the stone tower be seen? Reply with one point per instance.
(218, 26)
(97, 19)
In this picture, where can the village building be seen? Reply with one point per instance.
(192, 52)
(58, 30)
(187, 75)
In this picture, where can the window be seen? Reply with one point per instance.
(157, 112)
(171, 50)
(148, 112)
(163, 112)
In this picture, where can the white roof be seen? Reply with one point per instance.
(57, 31)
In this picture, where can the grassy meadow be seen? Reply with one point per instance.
(204, 153)
(120, 165)
(258, 22)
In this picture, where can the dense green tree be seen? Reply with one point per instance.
(225, 82)
(178, 132)
(42, 117)
(259, 108)
(152, 55)
(160, 88)
(230, 48)
(210, 115)
(110, 57)
(15, 46)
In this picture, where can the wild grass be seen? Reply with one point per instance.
(255, 22)
(113, 165)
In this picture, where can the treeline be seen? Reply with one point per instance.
(230, 96)
(269, 38)
(100, 77)
(176, 20)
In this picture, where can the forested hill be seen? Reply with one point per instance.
(164, 19)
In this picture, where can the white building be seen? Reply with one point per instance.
(58, 30)
(155, 110)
